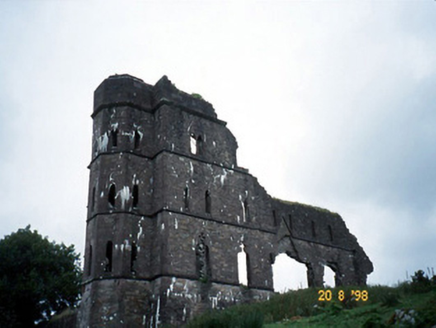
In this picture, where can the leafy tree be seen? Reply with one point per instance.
(38, 279)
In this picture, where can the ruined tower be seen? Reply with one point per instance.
(170, 212)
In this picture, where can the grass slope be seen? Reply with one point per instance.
(411, 304)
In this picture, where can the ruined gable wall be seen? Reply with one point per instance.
(318, 238)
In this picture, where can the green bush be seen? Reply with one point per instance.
(230, 318)
(421, 283)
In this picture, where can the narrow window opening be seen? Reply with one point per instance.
(90, 260)
(290, 222)
(137, 139)
(208, 202)
(275, 218)
(133, 257)
(186, 197)
(93, 199)
(313, 229)
(135, 195)
(108, 267)
(199, 145)
(111, 195)
(243, 266)
(193, 144)
(246, 213)
(330, 233)
(114, 137)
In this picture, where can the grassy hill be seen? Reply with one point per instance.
(410, 304)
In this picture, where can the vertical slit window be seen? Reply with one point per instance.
(137, 139)
(313, 229)
(93, 199)
(135, 193)
(330, 233)
(108, 267)
(246, 213)
(133, 257)
(290, 221)
(193, 144)
(111, 195)
(276, 223)
(90, 260)
(199, 145)
(208, 202)
(186, 197)
(114, 136)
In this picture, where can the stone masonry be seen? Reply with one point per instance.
(169, 210)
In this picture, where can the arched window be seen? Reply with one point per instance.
(208, 202)
(193, 144)
(137, 139)
(114, 136)
(243, 266)
(108, 266)
(90, 260)
(186, 197)
(135, 195)
(111, 195)
(133, 257)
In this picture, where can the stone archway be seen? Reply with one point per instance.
(329, 277)
(288, 274)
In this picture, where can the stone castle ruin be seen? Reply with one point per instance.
(169, 210)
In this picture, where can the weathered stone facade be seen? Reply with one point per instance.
(169, 210)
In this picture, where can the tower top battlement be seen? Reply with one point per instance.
(128, 90)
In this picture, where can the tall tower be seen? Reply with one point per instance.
(159, 193)
(170, 215)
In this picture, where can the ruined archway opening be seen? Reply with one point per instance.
(288, 274)
(329, 277)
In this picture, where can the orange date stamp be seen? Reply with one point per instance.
(356, 295)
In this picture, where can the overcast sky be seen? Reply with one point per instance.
(333, 104)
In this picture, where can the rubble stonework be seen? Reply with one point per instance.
(169, 210)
